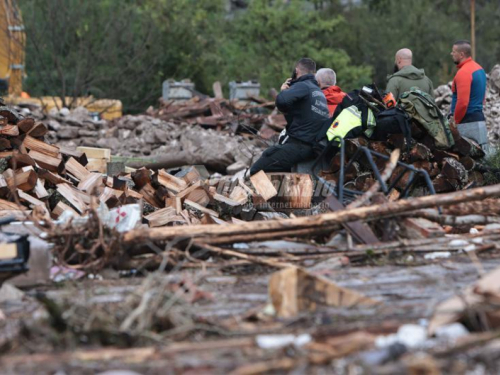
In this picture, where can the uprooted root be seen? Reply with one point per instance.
(89, 246)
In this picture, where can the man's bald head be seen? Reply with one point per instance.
(404, 57)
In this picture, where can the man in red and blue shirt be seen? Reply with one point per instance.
(469, 86)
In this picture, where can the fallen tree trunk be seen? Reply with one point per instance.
(215, 234)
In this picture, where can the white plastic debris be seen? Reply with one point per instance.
(411, 335)
(458, 243)
(437, 255)
(471, 247)
(451, 331)
(280, 341)
(124, 218)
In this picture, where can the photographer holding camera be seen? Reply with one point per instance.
(304, 106)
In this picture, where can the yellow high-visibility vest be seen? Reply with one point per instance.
(347, 120)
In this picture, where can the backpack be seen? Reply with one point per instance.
(422, 109)
(392, 121)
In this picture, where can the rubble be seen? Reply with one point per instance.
(175, 265)
(443, 95)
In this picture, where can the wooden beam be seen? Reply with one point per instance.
(96, 153)
(310, 224)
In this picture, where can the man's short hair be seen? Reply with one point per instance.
(306, 65)
(327, 77)
(464, 46)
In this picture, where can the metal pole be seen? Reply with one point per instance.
(473, 27)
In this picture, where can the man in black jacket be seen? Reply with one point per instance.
(304, 106)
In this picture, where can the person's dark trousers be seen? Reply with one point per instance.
(281, 158)
(473, 117)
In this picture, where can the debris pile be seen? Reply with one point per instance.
(443, 95)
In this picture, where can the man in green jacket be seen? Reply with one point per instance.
(407, 76)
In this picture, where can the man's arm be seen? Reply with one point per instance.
(392, 87)
(463, 83)
(287, 98)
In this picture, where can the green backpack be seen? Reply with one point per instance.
(421, 107)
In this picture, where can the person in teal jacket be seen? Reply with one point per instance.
(407, 76)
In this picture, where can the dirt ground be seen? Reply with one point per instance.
(220, 318)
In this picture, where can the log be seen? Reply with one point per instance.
(48, 162)
(24, 180)
(141, 177)
(53, 178)
(39, 130)
(200, 208)
(295, 190)
(468, 163)
(162, 217)
(19, 160)
(190, 189)
(79, 156)
(28, 198)
(263, 185)
(239, 195)
(172, 183)
(9, 130)
(199, 196)
(73, 196)
(148, 193)
(97, 165)
(111, 197)
(6, 205)
(310, 224)
(26, 124)
(76, 169)
(442, 184)
(453, 170)
(40, 190)
(91, 182)
(5, 144)
(467, 147)
(420, 152)
(61, 207)
(35, 145)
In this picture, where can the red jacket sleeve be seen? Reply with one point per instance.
(463, 83)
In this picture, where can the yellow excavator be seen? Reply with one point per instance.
(12, 69)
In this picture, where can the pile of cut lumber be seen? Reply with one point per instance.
(54, 179)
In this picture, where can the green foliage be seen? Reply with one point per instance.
(492, 162)
(265, 41)
(124, 49)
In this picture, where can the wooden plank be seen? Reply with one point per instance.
(76, 169)
(96, 153)
(263, 185)
(35, 145)
(419, 228)
(201, 208)
(171, 182)
(72, 196)
(51, 163)
(217, 90)
(61, 207)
